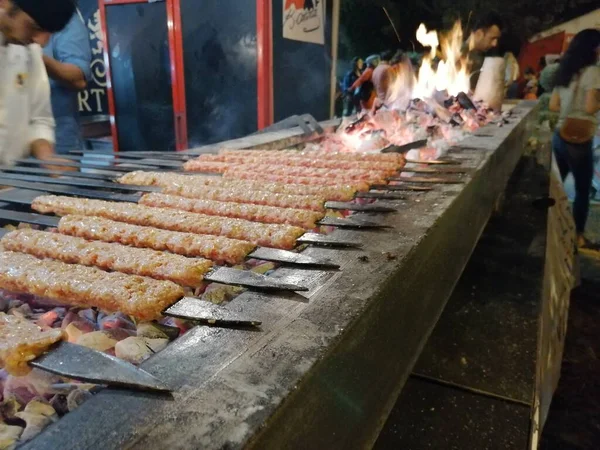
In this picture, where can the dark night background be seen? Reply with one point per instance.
(365, 29)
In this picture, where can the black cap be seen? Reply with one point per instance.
(50, 15)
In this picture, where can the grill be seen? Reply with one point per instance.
(327, 362)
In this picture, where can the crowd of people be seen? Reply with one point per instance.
(569, 83)
(367, 84)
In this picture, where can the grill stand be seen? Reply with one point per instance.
(324, 372)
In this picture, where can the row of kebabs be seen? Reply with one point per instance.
(135, 258)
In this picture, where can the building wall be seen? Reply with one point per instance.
(590, 20)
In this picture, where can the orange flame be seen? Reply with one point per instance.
(451, 74)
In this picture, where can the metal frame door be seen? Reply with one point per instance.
(177, 73)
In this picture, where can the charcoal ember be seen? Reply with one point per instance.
(77, 398)
(73, 333)
(9, 407)
(153, 330)
(38, 414)
(464, 101)
(181, 324)
(118, 334)
(36, 384)
(82, 323)
(23, 310)
(114, 321)
(9, 435)
(90, 314)
(59, 403)
(449, 102)
(49, 318)
(66, 388)
(137, 349)
(97, 340)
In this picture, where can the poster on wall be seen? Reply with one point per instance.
(92, 100)
(304, 20)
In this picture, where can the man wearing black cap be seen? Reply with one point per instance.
(26, 122)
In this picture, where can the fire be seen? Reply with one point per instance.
(450, 76)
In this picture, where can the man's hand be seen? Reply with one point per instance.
(67, 74)
(44, 150)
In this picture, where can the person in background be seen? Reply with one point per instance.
(67, 58)
(385, 57)
(511, 75)
(541, 66)
(548, 75)
(26, 122)
(393, 82)
(363, 86)
(531, 85)
(577, 95)
(350, 105)
(487, 30)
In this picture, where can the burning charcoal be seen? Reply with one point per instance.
(9, 435)
(36, 384)
(49, 318)
(77, 398)
(153, 330)
(137, 349)
(23, 310)
(263, 268)
(66, 388)
(4, 304)
(59, 403)
(37, 415)
(465, 101)
(81, 323)
(89, 314)
(73, 333)
(14, 303)
(219, 293)
(116, 320)
(449, 102)
(8, 408)
(97, 340)
(118, 334)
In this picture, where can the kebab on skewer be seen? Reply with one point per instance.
(350, 175)
(108, 256)
(216, 248)
(22, 341)
(268, 235)
(73, 284)
(190, 185)
(308, 162)
(257, 213)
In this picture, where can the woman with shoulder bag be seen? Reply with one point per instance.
(577, 97)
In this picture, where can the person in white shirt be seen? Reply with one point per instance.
(26, 121)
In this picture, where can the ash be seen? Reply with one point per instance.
(443, 123)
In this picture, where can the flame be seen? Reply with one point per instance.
(450, 76)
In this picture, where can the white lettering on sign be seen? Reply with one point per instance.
(303, 20)
(91, 100)
(83, 97)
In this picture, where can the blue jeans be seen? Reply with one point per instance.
(579, 160)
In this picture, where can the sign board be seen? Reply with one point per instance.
(92, 101)
(304, 20)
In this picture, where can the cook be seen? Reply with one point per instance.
(26, 121)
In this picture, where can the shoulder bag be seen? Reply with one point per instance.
(575, 130)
